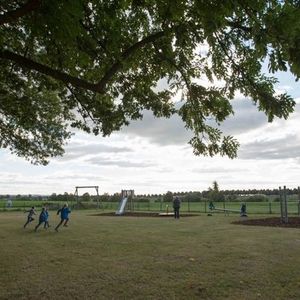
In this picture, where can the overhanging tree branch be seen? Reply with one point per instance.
(99, 87)
(14, 15)
(81, 104)
(24, 62)
(125, 55)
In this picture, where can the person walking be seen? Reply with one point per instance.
(176, 207)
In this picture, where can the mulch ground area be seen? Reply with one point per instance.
(293, 222)
(142, 214)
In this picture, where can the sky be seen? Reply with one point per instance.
(153, 156)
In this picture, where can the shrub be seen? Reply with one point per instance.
(142, 200)
(256, 198)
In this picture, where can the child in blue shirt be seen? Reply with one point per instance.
(42, 218)
(64, 216)
(46, 225)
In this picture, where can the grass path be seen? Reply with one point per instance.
(147, 258)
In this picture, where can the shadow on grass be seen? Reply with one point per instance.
(142, 214)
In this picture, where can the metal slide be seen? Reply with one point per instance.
(122, 205)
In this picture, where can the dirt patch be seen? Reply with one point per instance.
(142, 214)
(294, 222)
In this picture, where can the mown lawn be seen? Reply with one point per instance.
(147, 258)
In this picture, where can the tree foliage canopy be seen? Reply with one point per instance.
(214, 193)
(95, 65)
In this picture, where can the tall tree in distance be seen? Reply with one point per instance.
(215, 187)
(214, 193)
(94, 65)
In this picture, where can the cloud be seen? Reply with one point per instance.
(245, 119)
(95, 149)
(76, 150)
(282, 148)
(13, 179)
(13, 183)
(81, 176)
(100, 161)
(216, 170)
(160, 131)
(172, 131)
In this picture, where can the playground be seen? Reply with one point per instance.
(120, 253)
(112, 257)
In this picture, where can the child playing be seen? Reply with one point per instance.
(30, 218)
(46, 225)
(64, 216)
(42, 218)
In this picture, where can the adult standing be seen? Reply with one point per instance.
(176, 207)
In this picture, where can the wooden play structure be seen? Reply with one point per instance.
(96, 187)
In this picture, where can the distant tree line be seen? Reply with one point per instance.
(211, 194)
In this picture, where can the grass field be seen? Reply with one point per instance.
(147, 258)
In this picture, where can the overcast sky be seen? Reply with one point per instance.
(153, 156)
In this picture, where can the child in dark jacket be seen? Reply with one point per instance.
(42, 218)
(64, 216)
(30, 218)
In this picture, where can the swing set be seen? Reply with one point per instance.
(96, 187)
